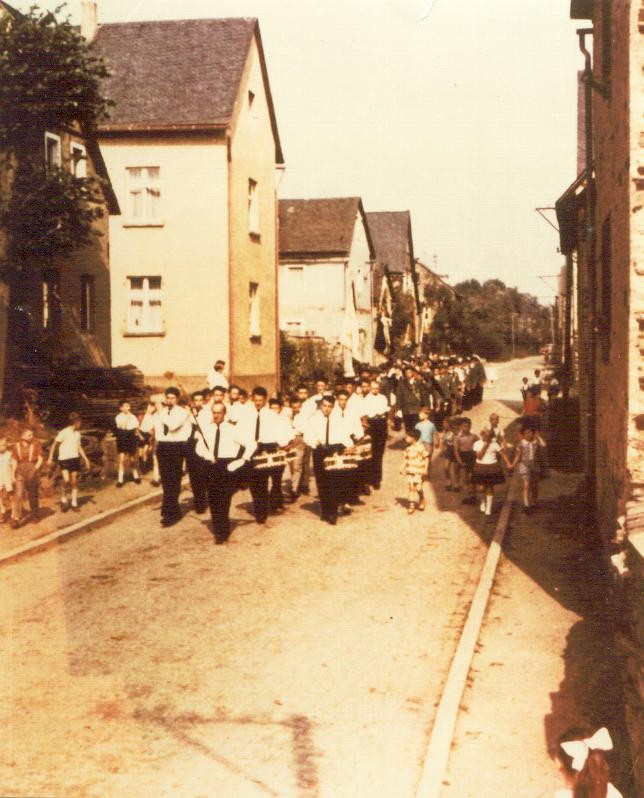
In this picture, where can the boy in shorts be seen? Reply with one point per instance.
(70, 453)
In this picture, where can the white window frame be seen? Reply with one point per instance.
(147, 186)
(254, 311)
(254, 228)
(58, 160)
(148, 320)
(77, 166)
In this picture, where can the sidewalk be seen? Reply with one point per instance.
(544, 660)
(94, 499)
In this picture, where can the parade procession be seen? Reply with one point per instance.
(228, 439)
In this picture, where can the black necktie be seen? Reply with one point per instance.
(328, 421)
(217, 442)
(257, 428)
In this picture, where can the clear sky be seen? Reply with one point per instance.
(466, 117)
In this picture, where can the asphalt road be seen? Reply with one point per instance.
(298, 660)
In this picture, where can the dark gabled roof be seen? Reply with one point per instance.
(312, 227)
(391, 236)
(178, 74)
(174, 73)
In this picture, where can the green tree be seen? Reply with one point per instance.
(50, 80)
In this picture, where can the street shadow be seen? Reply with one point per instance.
(591, 693)
(311, 506)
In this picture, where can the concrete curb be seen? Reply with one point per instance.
(80, 528)
(440, 742)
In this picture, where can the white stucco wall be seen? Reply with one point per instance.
(317, 293)
(189, 251)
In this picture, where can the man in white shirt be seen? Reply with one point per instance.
(216, 375)
(270, 432)
(356, 478)
(172, 430)
(376, 407)
(222, 452)
(326, 435)
(313, 402)
(237, 410)
(200, 414)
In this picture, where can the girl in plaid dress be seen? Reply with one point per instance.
(414, 467)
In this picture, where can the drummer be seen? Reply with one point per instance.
(375, 408)
(326, 435)
(355, 478)
(271, 432)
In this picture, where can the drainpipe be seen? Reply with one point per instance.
(568, 331)
(591, 444)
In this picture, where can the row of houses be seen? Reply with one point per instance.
(601, 302)
(198, 260)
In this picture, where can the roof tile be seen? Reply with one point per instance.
(174, 73)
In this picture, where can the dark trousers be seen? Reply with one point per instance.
(263, 498)
(170, 457)
(220, 487)
(410, 420)
(378, 432)
(198, 475)
(334, 487)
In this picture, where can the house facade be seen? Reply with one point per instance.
(601, 219)
(194, 155)
(326, 282)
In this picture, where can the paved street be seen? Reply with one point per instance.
(299, 660)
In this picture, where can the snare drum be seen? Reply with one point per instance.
(363, 449)
(277, 459)
(341, 462)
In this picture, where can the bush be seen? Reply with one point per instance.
(305, 360)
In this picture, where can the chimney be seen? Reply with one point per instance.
(89, 19)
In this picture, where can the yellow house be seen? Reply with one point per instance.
(193, 152)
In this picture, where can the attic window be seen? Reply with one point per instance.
(251, 100)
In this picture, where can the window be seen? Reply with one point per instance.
(52, 150)
(144, 306)
(251, 100)
(254, 330)
(253, 208)
(143, 196)
(87, 303)
(78, 159)
(50, 301)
